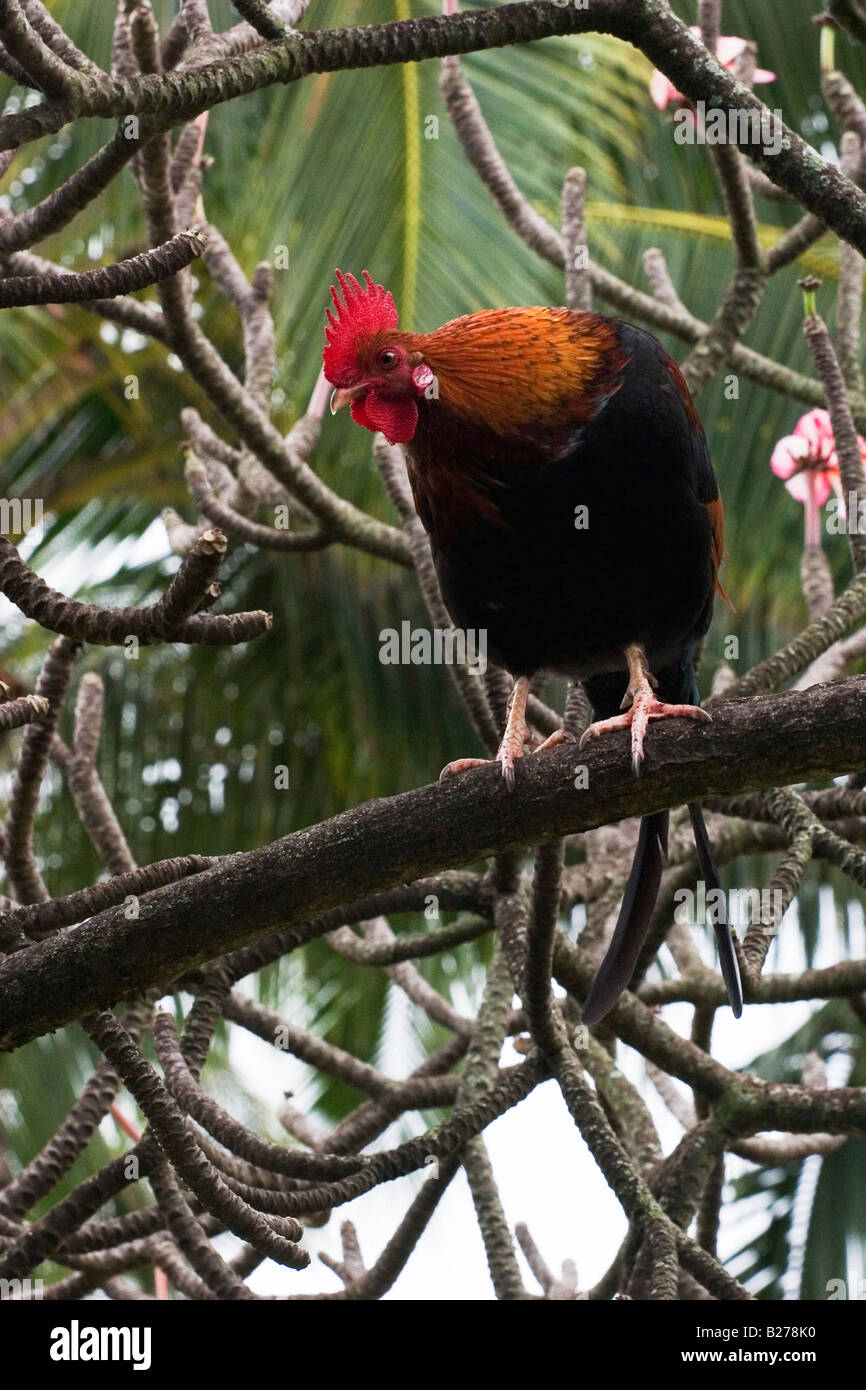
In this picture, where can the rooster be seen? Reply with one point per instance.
(560, 468)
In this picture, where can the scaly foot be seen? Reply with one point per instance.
(515, 736)
(642, 707)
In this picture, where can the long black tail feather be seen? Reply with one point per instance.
(632, 925)
(724, 940)
(641, 893)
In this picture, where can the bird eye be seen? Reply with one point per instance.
(387, 358)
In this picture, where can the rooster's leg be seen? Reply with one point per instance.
(511, 747)
(641, 706)
(516, 734)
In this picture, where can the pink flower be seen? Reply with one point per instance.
(807, 461)
(811, 449)
(728, 50)
(791, 460)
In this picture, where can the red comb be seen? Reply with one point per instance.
(363, 311)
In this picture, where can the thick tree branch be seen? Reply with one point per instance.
(750, 746)
(137, 273)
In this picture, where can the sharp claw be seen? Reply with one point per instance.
(459, 765)
(555, 740)
(643, 710)
(508, 774)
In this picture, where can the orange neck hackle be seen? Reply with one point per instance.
(510, 366)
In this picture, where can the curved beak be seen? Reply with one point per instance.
(344, 395)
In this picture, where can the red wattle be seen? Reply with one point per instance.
(397, 419)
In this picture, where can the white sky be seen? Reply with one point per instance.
(546, 1176)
